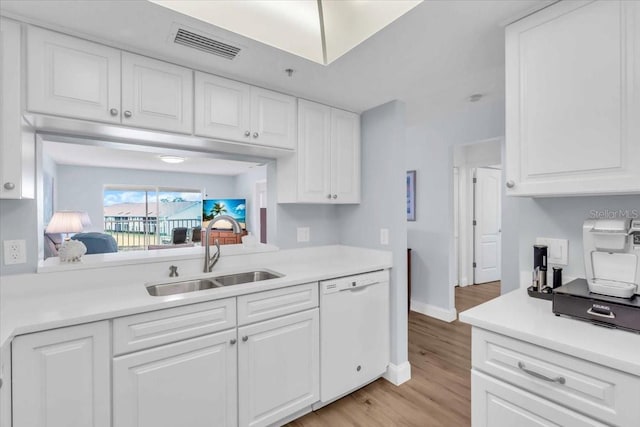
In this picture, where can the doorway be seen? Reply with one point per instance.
(477, 208)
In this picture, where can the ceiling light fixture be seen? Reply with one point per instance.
(321, 31)
(172, 159)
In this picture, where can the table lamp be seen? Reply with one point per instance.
(66, 222)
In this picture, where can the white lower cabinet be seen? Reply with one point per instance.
(188, 383)
(495, 403)
(278, 368)
(62, 377)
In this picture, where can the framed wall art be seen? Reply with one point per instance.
(411, 195)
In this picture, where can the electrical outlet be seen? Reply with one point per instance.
(303, 234)
(558, 250)
(15, 252)
(384, 236)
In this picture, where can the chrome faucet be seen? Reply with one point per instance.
(210, 261)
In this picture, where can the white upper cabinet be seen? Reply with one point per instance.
(573, 100)
(17, 143)
(326, 166)
(345, 156)
(222, 108)
(226, 109)
(273, 119)
(71, 77)
(156, 94)
(62, 377)
(314, 152)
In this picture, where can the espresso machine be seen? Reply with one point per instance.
(609, 295)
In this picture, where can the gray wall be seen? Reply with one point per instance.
(562, 218)
(430, 153)
(244, 188)
(18, 221)
(383, 206)
(81, 187)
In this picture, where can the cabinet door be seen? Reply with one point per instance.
(189, 383)
(72, 77)
(222, 108)
(17, 144)
(497, 404)
(314, 152)
(573, 101)
(278, 368)
(156, 94)
(345, 156)
(61, 377)
(273, 119)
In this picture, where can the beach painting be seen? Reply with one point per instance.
(235, 208)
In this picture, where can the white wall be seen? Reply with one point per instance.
(82, 187)
(383, 205)
(245, 185)
(430, 153)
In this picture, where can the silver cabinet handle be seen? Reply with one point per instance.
(559, 380)
(607, 315)
(233, 341)
(127, 114)
(247, 133)
(335, 196)
(328, 196)
(245, 338)
(113, 111)
(510, 184)
(256, 134)
(9, 186)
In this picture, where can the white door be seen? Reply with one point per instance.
(487, 230)
(345, 156)
(273, 119)
(278, 368)
(156, 94)
(62, 377)
(314, 152)
(222, 108)
(189, 383)
(72, 77)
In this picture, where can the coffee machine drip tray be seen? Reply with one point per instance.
(574, 300)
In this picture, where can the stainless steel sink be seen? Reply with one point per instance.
(164, 289)
(247, 277)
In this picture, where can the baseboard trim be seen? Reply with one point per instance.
(433, 311)
(398, 374)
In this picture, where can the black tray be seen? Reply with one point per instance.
(547, 293)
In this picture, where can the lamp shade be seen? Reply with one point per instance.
(84, 218)
(65, 222)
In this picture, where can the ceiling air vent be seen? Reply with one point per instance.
(196, 41)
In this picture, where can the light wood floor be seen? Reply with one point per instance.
(439, 391)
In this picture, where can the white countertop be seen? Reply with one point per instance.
(35, 302)
(530, 319)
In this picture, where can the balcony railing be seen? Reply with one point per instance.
(139, 233)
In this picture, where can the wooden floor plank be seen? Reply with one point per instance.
(439, 392)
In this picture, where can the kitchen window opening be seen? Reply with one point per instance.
(151, 217)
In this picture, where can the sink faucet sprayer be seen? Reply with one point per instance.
(210, 261)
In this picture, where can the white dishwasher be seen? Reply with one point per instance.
(354, 332)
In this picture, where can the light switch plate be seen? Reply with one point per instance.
(303, 234)
(558, 250)
(15, 252)
(384, 236)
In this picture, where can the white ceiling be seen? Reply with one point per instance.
(102, 156)
(432, 58)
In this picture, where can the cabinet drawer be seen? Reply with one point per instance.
(497, 404)
(270, 304)
(595, 390)
(140, 331)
